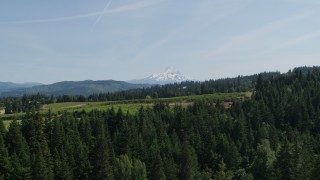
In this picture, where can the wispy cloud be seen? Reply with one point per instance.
(298, 40)
(284, 45)
(133, 6)
(240, 40)
(198, 21)
(100, 16)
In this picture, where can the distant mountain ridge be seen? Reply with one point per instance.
(85, 88)
(6, 86)
(169, 76)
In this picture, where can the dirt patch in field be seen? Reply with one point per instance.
(181, 103)
(227, 104)
(75, 106)
(44, 106)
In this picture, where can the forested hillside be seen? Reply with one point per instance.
(84, 88)
(273, 135)
(9, 86)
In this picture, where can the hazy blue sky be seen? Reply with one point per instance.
(49, 41)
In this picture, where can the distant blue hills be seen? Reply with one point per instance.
(85, 88)
(9, 86)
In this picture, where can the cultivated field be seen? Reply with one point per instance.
(133, 105)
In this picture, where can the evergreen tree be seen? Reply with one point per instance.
(100, 155)
(83, 167)
(128, 169)
(123, 168)
(2, 128)
(188, 164)
(5, 169)
(315, 169)
(157, 169)
(18, 171)
(18, 150)
(139, 171)
(284, 164)
(223, 174)
(263, 163)
(40, 169)
(57, 135)
(62, 169)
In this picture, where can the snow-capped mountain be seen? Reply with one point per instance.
(170, 75)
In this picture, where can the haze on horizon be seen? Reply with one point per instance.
(51, 41)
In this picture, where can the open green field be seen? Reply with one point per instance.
(8, 122)
(11, 116)
(89, 106)
(2, 110)
(132, 106)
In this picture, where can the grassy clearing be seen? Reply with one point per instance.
(182, 99)
(8, 122)
(89, 106)
(2, 110)
(11, 116)
(134, 105)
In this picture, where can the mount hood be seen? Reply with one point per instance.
(168, 76)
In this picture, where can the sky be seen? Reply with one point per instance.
(51, 41)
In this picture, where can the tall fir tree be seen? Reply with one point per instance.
(100, 155)
(5, 169)
(40, 169)
(18, 150)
